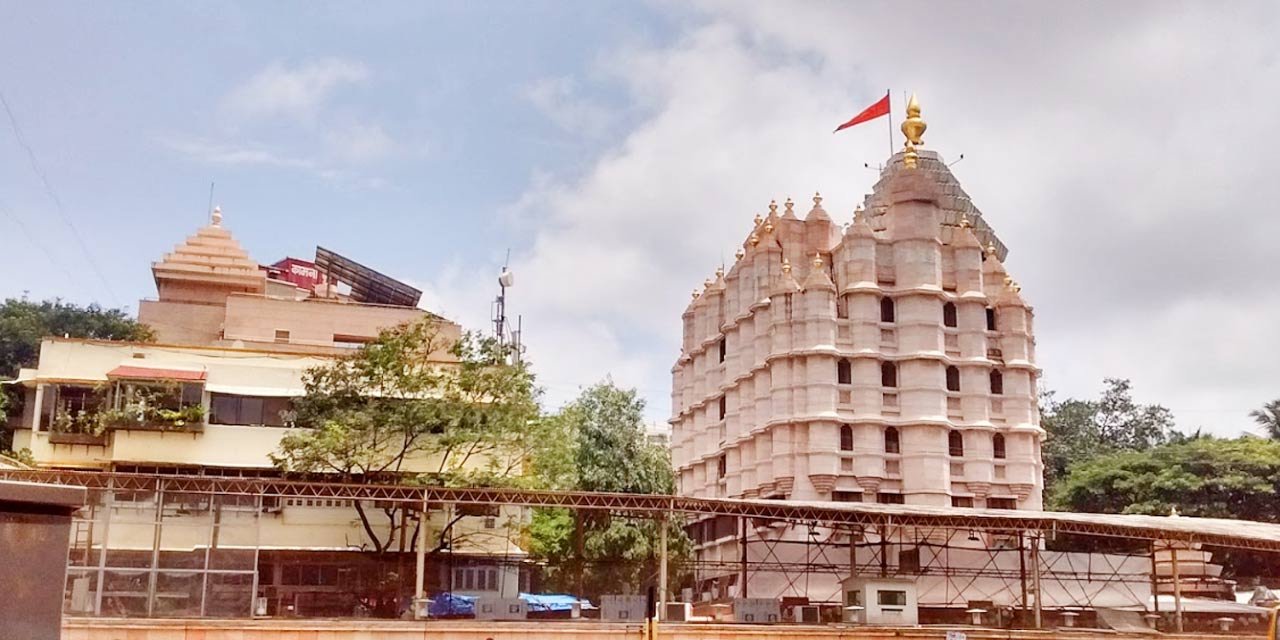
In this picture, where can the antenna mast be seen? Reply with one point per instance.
(501, 328)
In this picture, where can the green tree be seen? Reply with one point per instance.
(23, 324)
(1268, 417)
(395, 411)
(596, 552)
(1080, 430)
(1206, 477)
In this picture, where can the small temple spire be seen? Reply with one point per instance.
(215, 218)
(817, 212)
(737, 255)
(789, 212)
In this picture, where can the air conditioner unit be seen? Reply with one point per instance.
(677, 612)
(1004, 542)
(807, 614)
(500, 609)
(758, 610)
(623, 608)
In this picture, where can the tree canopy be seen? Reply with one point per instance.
(598, 553)
(23, 324)
(1205, 477)
(1080, 430)
(1268, 417)
(414, 405)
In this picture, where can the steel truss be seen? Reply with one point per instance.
(835, 515)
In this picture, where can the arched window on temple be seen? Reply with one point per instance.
(997, 446)
(724, 407)
(991, 319)
(846, 437)
(891, 443)
(949, 314)
(997, 382)
(953, 379)
(888, 374)
(886, 310)
(955, 444)
(844, 371)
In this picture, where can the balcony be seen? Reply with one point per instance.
(80, 414)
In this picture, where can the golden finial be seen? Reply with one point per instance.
(817, 199)
(909, 156)
(964, 222)
(758, 219)
(786, 265)
(1008, 281)
(720, 271)
(216, 218)
(768, 226)
(788, 204)
(773, 207)
(913, 127)
(754, 239)
(706, 284)
(991, 248)
(696, 293)
(1017, 288)
(817, 260)
(737, 255)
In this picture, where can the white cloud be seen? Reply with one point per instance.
(359, 143)
(560, 100)
(1121, 154)
(220, 153)
(295, 92)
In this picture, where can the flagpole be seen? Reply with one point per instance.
(887, 94)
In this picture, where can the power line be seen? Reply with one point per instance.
(32, 238)
(48, 189)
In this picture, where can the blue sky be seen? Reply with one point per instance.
(620, 150)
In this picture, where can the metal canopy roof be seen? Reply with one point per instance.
(1240, 534)
(367, 285)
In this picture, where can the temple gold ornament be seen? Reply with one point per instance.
(786, 265)
(913, 128)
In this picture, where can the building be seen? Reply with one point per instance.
(891, 360)
(213, 396)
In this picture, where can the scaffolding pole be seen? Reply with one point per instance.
(420, 577)
(1177, 590)
(662, 567)
(1035, 577)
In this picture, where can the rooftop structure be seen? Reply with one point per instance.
(211, 293)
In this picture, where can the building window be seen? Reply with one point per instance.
(997, 382)
(282, 336)
(888, 374)
(724, 349)
(955, 444)
(953, 379)
(1002, 503)
(844, 371)
(891, 444)
(963, 502)
(723, 406)
(991, 319)
(890, 498)
(722, 466)
(997, 446)
(226, 408)
(949, 314)
(886, 310)
(846, 496)
(846, 437)
(891, 598)
(909, 561)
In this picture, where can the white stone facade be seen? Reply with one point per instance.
(891, 361)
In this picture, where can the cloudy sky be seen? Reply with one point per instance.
(620, 150)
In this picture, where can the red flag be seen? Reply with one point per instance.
(880, 108)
